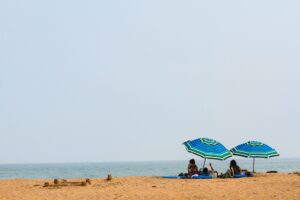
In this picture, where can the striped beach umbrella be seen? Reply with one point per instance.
(207, 148)
(254, 149)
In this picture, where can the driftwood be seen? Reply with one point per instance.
(64, 182)
(272, 172)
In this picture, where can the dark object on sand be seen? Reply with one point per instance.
(109, 177)
(46, 184)
(297, 172)
(63, 182)
(272, 172)
(88, 181)
(183, 174)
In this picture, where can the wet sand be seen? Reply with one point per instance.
(263, 186)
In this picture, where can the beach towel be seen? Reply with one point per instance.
(186, 177)
(240, 176)
(202, 177)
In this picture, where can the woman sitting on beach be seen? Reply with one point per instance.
(234, 168)
(192, 168)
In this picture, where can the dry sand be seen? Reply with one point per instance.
(263, 186)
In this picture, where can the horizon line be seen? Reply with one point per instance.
(126, 161)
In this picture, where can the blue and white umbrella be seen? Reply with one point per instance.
(254, 149)
(207, 148)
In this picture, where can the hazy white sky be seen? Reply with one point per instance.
(131, 80)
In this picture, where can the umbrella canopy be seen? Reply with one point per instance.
(207, 148)
(254, 149)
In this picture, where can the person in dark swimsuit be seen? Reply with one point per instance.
(234, 168)
(205, 172)
(192, 168)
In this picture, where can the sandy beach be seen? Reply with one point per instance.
(263, 186)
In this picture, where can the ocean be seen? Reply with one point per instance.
(149, 168)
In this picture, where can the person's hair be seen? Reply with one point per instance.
(233, 163)
(192, 161)
(205, 170)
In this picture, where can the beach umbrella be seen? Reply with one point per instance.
(254, 149)
(207, 148)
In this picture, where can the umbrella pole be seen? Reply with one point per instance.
(253, 164)
(204, 163)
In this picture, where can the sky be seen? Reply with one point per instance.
(98, 81)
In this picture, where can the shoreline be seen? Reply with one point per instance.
(257, 174)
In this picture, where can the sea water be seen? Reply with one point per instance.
(149, 168)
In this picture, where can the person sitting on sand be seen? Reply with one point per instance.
(192, 168)
(205, 172)
(234, 168)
